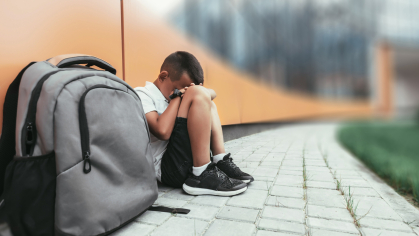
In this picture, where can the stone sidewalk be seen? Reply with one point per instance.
(305, 184)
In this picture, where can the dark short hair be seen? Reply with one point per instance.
(179, 62)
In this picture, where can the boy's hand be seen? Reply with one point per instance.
(184, 90)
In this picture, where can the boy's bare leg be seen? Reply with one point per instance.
(196, 107)
(217, 139)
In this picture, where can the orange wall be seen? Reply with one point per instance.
(37, 30)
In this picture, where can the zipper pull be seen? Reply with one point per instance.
(87, 166)
(29, 138)
(29, 130)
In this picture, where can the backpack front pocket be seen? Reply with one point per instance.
(114, 179)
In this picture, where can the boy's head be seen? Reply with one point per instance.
(182, 68)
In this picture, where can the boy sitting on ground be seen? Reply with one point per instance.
(184, 126)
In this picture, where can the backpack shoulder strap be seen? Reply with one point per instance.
(169, 210)
(7, 141)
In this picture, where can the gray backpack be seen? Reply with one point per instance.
(77, 148)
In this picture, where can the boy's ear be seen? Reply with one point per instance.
(163, 75)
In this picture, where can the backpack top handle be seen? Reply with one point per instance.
(66, 60)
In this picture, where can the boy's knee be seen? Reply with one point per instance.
(198, 92)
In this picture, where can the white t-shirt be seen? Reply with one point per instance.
(153, 100)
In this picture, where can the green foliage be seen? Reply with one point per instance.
(417, 117)
(390, 149)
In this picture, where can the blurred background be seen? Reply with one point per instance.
(327, 48)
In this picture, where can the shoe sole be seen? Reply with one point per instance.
(203, 191)
(246, 181)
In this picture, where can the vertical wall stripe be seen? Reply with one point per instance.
(122, 39)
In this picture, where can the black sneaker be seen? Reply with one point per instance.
(214, 182)
(227, 166)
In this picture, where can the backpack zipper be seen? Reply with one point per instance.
(29, 134)
(84, 128)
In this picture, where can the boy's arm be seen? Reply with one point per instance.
(162, 126)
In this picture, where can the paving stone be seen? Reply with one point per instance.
(331, 213)
(274, 164)
(238, 213)
(318, 184)
(262, 185)
(294, 153)
(250, 199)
(248, 164)
(180, 226)
(282, 226)
(267, 172)
(230, 228)
(285, 202)
(320, 176)
(355, 183)
(369, 192)
(333, 225)
(274, 157)
(325, 199)
(298, 168)
(243, 154)
(290, 172)
(255, 157)
(295, 157)
(384, 224)
(347, 173)
(322, 232)
(178, 194)
(343, 177)
(380, 232)
(271, 233)
(342, 166)
(375, 207)
(210, 200)
(317, 168)
(248, 170)
(281, 150)
(153, 217)
(322, 192)
(290, 162)
(281, 213)
(206, 213)
(289, 180)
(259, 151)
(285, 191)
(264, 178)
(169, 202)
(314, 158)
(315, 163)
(134, 228)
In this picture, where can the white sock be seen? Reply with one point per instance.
(197, 171)
(218, 157)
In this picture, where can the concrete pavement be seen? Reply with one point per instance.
(305, 184)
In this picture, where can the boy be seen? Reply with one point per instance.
(184, 125)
